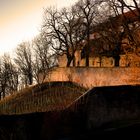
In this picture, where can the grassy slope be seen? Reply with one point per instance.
(41, 98)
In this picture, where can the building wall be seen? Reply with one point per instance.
(89, 76)
(93, 61)
(62, 61)
(128, 60)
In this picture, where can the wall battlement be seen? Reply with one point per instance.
(93, 77)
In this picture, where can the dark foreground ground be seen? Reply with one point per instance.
(102, 113)
(131, 132)
(126, 132)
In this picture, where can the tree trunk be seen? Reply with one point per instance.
(3, 95)
(73, 62)
(116, 52)
(100, 61)
(117, 60)
(30, 79)
(69, 60)
(87, 52)
(87, 59)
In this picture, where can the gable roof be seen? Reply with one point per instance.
(131, 16)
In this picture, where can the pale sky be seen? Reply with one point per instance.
(20, 20)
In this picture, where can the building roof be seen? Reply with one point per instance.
(132, 15)
(103, 48)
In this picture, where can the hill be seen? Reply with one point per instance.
(50, 96)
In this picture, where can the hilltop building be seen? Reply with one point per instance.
(99, 57)
(102, 70)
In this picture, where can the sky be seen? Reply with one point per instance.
(20, 20)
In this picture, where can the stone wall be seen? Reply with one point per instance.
(131, 60)
(89, 76)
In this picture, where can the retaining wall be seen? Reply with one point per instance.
(90, 77)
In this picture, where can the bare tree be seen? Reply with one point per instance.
(43, 59)
(8, 76)
(87, 10)
(131, 21)
(117, 26)
(65, 31)
(23, 60)
(134, 4)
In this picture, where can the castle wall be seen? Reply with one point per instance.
(127, 60)
(89, 76)
(130, 60)
(62, 60)
(93, 61)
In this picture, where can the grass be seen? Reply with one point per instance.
(41, 98)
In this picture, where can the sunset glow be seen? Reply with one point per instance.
(20, 20)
